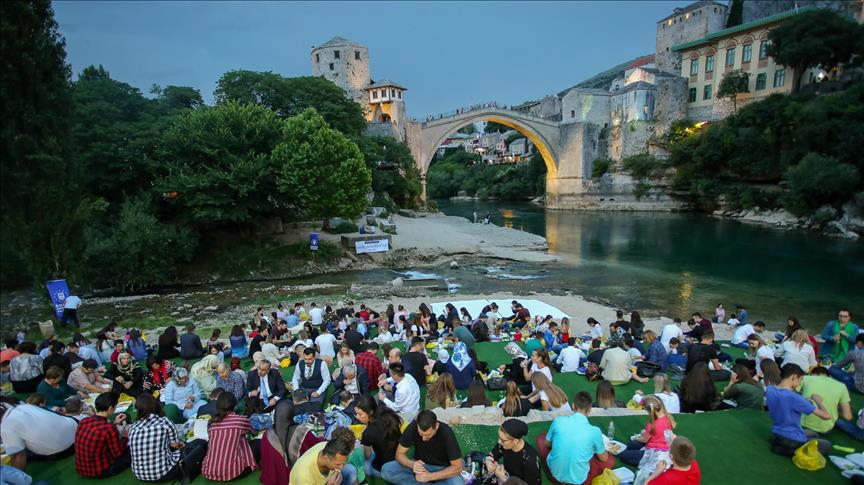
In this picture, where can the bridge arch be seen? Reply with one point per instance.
(542, 133)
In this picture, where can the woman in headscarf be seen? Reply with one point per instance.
(513, 371)
(461, 366)
(126, 376)
(203, 373)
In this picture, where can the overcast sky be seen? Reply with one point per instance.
(448, 54)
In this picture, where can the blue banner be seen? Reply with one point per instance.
(313, 241)
(58, 290)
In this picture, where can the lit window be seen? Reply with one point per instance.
(331, 66)
(730, 56)
(761, 81)
(335, 54)
(357, 55)
(694, 67)
(706, 92)
(763, 49)
(709, 63)
(779, 78)
(692, 95)
(746, 53)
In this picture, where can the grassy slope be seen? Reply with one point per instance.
(732, 446)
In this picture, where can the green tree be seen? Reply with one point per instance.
(41, 199)
(393, 169)
(819, 180)
(215, 164)
(291, 96)
(180, 97)
(320, 169)
(733, 84)
(817, 38)
(137, 250)
(736, 13)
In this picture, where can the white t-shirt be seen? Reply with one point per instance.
(741, 333)
(669, 332)
(804, 357)
(597, 331)
(545, 370)
(72, 302)
(30, 427)
(671, 401)
(569, 359)
(316, 315)
(764, 352)
(326, 344)
(733, 321)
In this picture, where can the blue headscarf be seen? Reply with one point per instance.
(460, 357)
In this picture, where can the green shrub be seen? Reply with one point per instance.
(818, 180)
(643, 165)
(600, 167)
(344, 227)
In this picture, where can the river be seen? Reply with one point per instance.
(679, 263)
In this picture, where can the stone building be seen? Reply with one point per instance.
(741, 48)
(346, 64)
(683, 25)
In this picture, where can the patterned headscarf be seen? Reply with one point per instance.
(515, 351)
(460, 358)
(130, 366)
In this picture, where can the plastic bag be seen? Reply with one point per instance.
(807, 457)
(608, 477)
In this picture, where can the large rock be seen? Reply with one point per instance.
(398, 282)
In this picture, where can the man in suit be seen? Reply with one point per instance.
(311, 375)
(266, 384)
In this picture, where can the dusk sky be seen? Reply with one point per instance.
(448, 54)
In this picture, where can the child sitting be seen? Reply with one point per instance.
(257, 417)
(652, 445)
(684, 469)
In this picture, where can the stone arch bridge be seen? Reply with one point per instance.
(567, 148)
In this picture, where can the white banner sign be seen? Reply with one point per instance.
(374, 246)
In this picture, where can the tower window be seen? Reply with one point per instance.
(374, 94)
(357, 55)
(335, 54)
(317, 57)
(331, 66)
(572, 113)
(392, 93)
(399, 94)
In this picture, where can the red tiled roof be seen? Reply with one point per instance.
(641, 61)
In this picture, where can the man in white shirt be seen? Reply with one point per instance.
(41, 432)
(281, 312)
(311, 375)
(406, 398)
(739, 338)
(70, 310)
(316, 315)
(670, 331)
(570, 356)
(326, 343)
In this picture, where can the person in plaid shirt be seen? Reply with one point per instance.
(100, 449)
(369, 361)
(156, 447)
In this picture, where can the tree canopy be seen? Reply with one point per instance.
(291, 96)
(733, 84)
(816, 38)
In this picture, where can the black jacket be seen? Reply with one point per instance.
(274, 381)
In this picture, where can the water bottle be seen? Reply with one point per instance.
(610, 433)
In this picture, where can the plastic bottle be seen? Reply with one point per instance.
(610, 433)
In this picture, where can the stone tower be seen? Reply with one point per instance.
(346, 64)
(685, 24)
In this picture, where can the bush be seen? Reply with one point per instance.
(642, 165)
(818, 180)
(137, 250)
(344, 227)
(600, 167)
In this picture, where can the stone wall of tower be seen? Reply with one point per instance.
(690, 23)
(350, 70)
(757, 9)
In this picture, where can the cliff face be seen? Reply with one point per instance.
(757, 9)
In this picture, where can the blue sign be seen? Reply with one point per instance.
(58, 290)
(313, 241)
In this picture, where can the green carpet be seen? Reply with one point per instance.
(732, 446)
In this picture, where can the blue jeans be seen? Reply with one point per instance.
(349, 475)
(633, 454)
(742, 345)
(369, 469)
(850, 428)
(842, 376)
(394, 472)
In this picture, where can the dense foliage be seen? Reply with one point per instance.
(459, 170)
(104, 186)
(798, 152)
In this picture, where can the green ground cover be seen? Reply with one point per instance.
(732, 446)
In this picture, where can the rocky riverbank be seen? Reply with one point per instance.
(845, 223)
